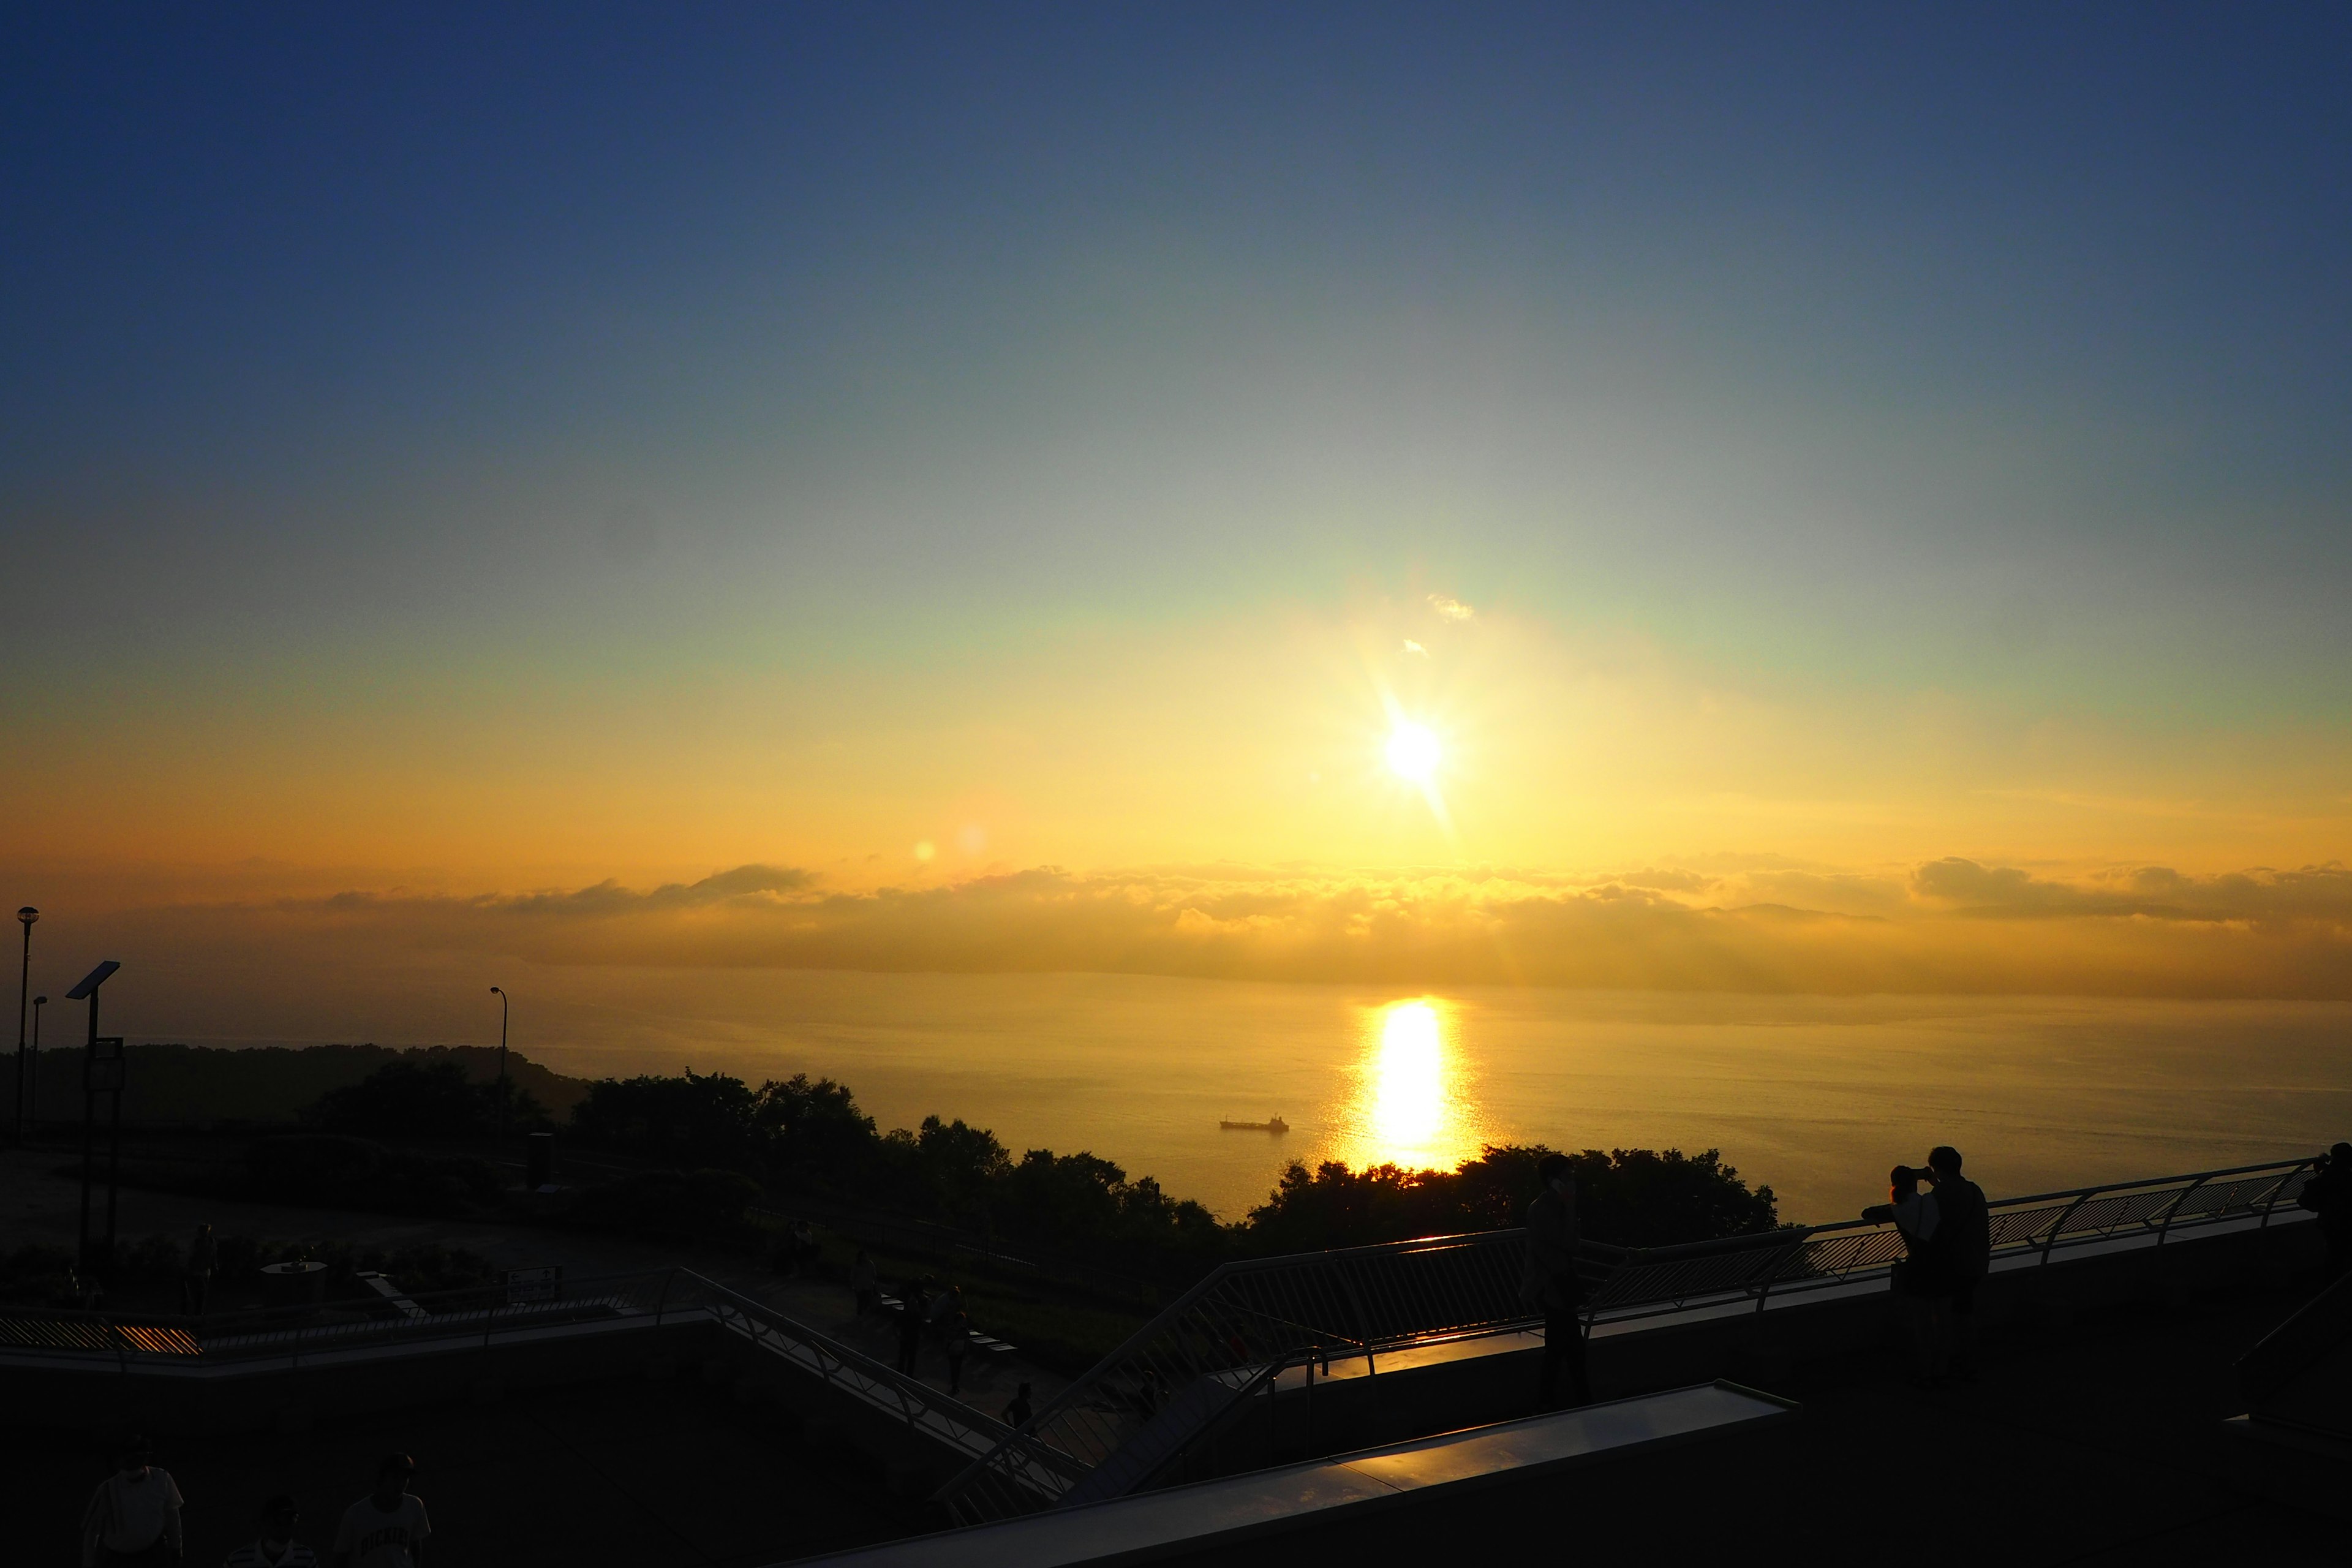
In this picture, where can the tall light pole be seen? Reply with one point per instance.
(96, 1081)
(502, 997)
(33, 1078)
(28, 914)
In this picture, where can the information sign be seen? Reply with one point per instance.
(104, 1070)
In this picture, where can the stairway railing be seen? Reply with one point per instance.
(1213, 1345)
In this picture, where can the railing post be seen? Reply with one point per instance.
(2060, 1222)
(2174, 1209)
(2272, 1202)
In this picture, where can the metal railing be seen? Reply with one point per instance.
(1776, 1264)
(925, 1410)
(1140, 1410)
(1230, 1337)
(474, 1312)
(482, 1314)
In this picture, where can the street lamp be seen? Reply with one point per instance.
(28, 914)
(502, 997)
(34, 1077)
(97, 1078)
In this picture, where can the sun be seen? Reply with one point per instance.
(1414, 752)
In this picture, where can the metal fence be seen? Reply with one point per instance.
(482, 1314)
(1230, 1337)
(925, 1409)
(476, 1311)
(2031, 1230)
(1135, 1415)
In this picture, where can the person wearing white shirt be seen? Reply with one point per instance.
(133, 1518)
(385, 1529)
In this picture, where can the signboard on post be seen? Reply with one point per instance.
(535, 1284)
(105, 1070)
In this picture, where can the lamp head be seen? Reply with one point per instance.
(40, 1000)
(496, 991)
(28, 914)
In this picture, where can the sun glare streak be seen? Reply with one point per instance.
(1409, 1107)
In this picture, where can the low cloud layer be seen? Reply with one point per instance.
(1951, 925)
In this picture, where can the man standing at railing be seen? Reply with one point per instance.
(1550, 1286)
(1965, 1224)
(2329, 1194)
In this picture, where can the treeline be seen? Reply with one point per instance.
(805, 1136)
(808, 1136)
(205, 1086)
(716, 1146)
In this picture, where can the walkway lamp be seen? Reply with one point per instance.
(27, 916)
(33, 1076)
(502, 997)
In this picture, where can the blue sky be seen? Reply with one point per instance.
(392, 370)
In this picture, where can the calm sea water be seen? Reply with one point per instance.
(1816, 1095)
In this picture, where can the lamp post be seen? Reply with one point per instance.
(28, 914)
(96, 1080)
(33, 1076)
(502, 997)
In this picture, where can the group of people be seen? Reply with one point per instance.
(923, 1309)
(796, 1249)
(1946, 1232)
(133, 1521)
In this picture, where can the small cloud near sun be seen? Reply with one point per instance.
(1452, 609)
(1412, 646)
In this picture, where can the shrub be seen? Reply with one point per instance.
(432, 1098)
(37, 1277)
(1630, 1197)
(704, 1119)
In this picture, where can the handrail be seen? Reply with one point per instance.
(1443, 1286)
(468, 1311)
(927, 1410)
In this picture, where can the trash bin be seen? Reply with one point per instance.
(297, 1284)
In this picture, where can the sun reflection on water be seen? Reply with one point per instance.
(1411, 1106)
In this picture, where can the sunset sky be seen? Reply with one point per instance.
(1860, 500)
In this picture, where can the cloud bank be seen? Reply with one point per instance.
(1947, 926)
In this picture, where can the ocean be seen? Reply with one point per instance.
(1815, 1096)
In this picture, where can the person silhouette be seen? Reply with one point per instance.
(914, 1309)
(1920, 1281)
(1549, 1285)
(2329, 1194)
(1965, 1241)
(955, 1329)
